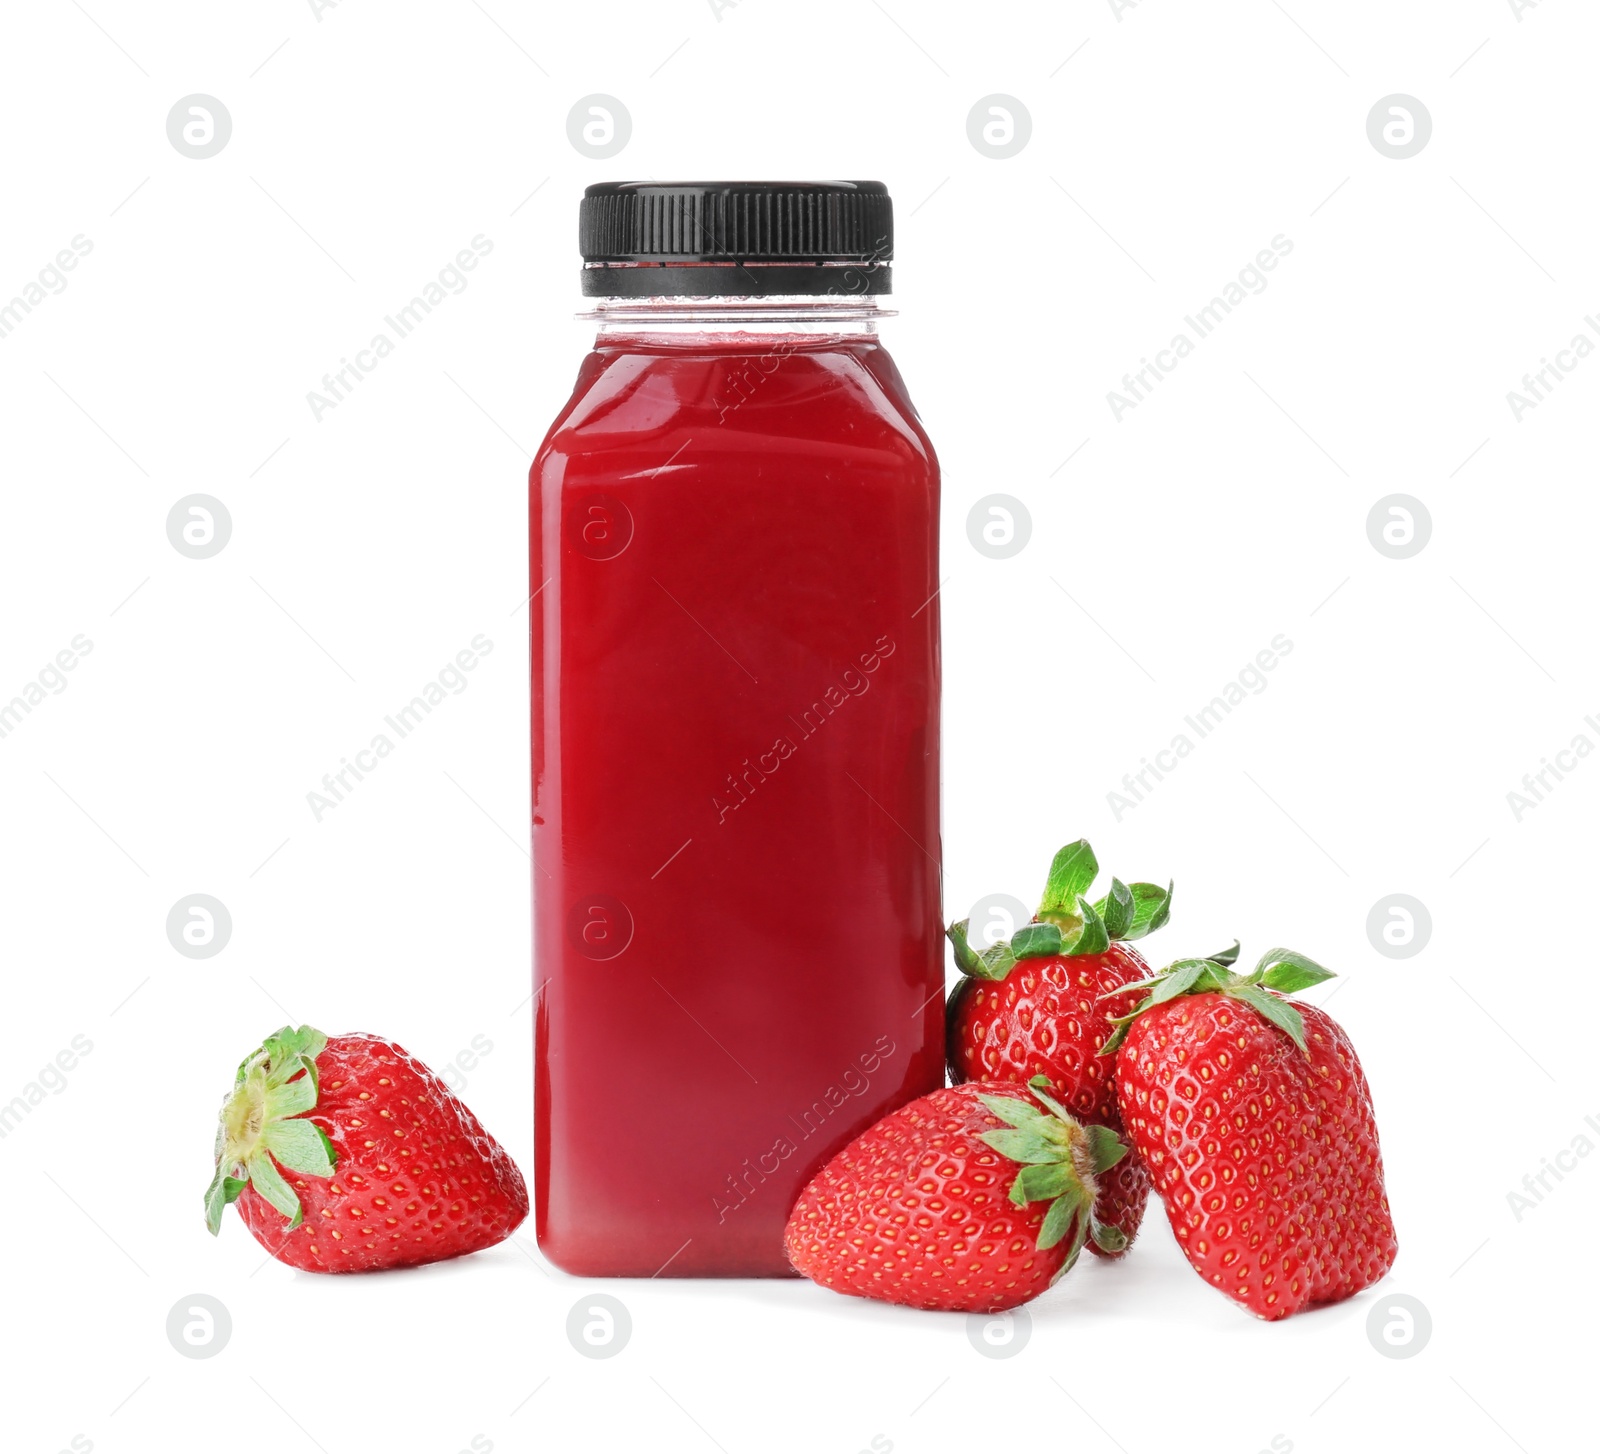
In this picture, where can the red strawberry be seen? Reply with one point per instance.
(1043, 1004)
(367, 1154)
(1255, 1120)
(923, 1209)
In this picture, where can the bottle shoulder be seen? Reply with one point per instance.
(773, 391)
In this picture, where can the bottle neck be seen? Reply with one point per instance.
(829, 316)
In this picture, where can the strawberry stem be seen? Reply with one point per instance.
(260, 1128)
(1060, 1160)
(1280, 971)
(1067, 922)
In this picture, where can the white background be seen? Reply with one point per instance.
(1170, 143)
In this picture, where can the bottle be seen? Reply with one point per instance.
(735, 693)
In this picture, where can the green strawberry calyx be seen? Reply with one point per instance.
(262, 1126)
(1282, 970)
(1061, 1159)
(1067, 923)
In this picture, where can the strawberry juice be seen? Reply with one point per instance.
(735, 686)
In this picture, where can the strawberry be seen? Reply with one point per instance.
(1254, 1118)
(348, 1155)
(1043, 1004)
(917, 1209)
